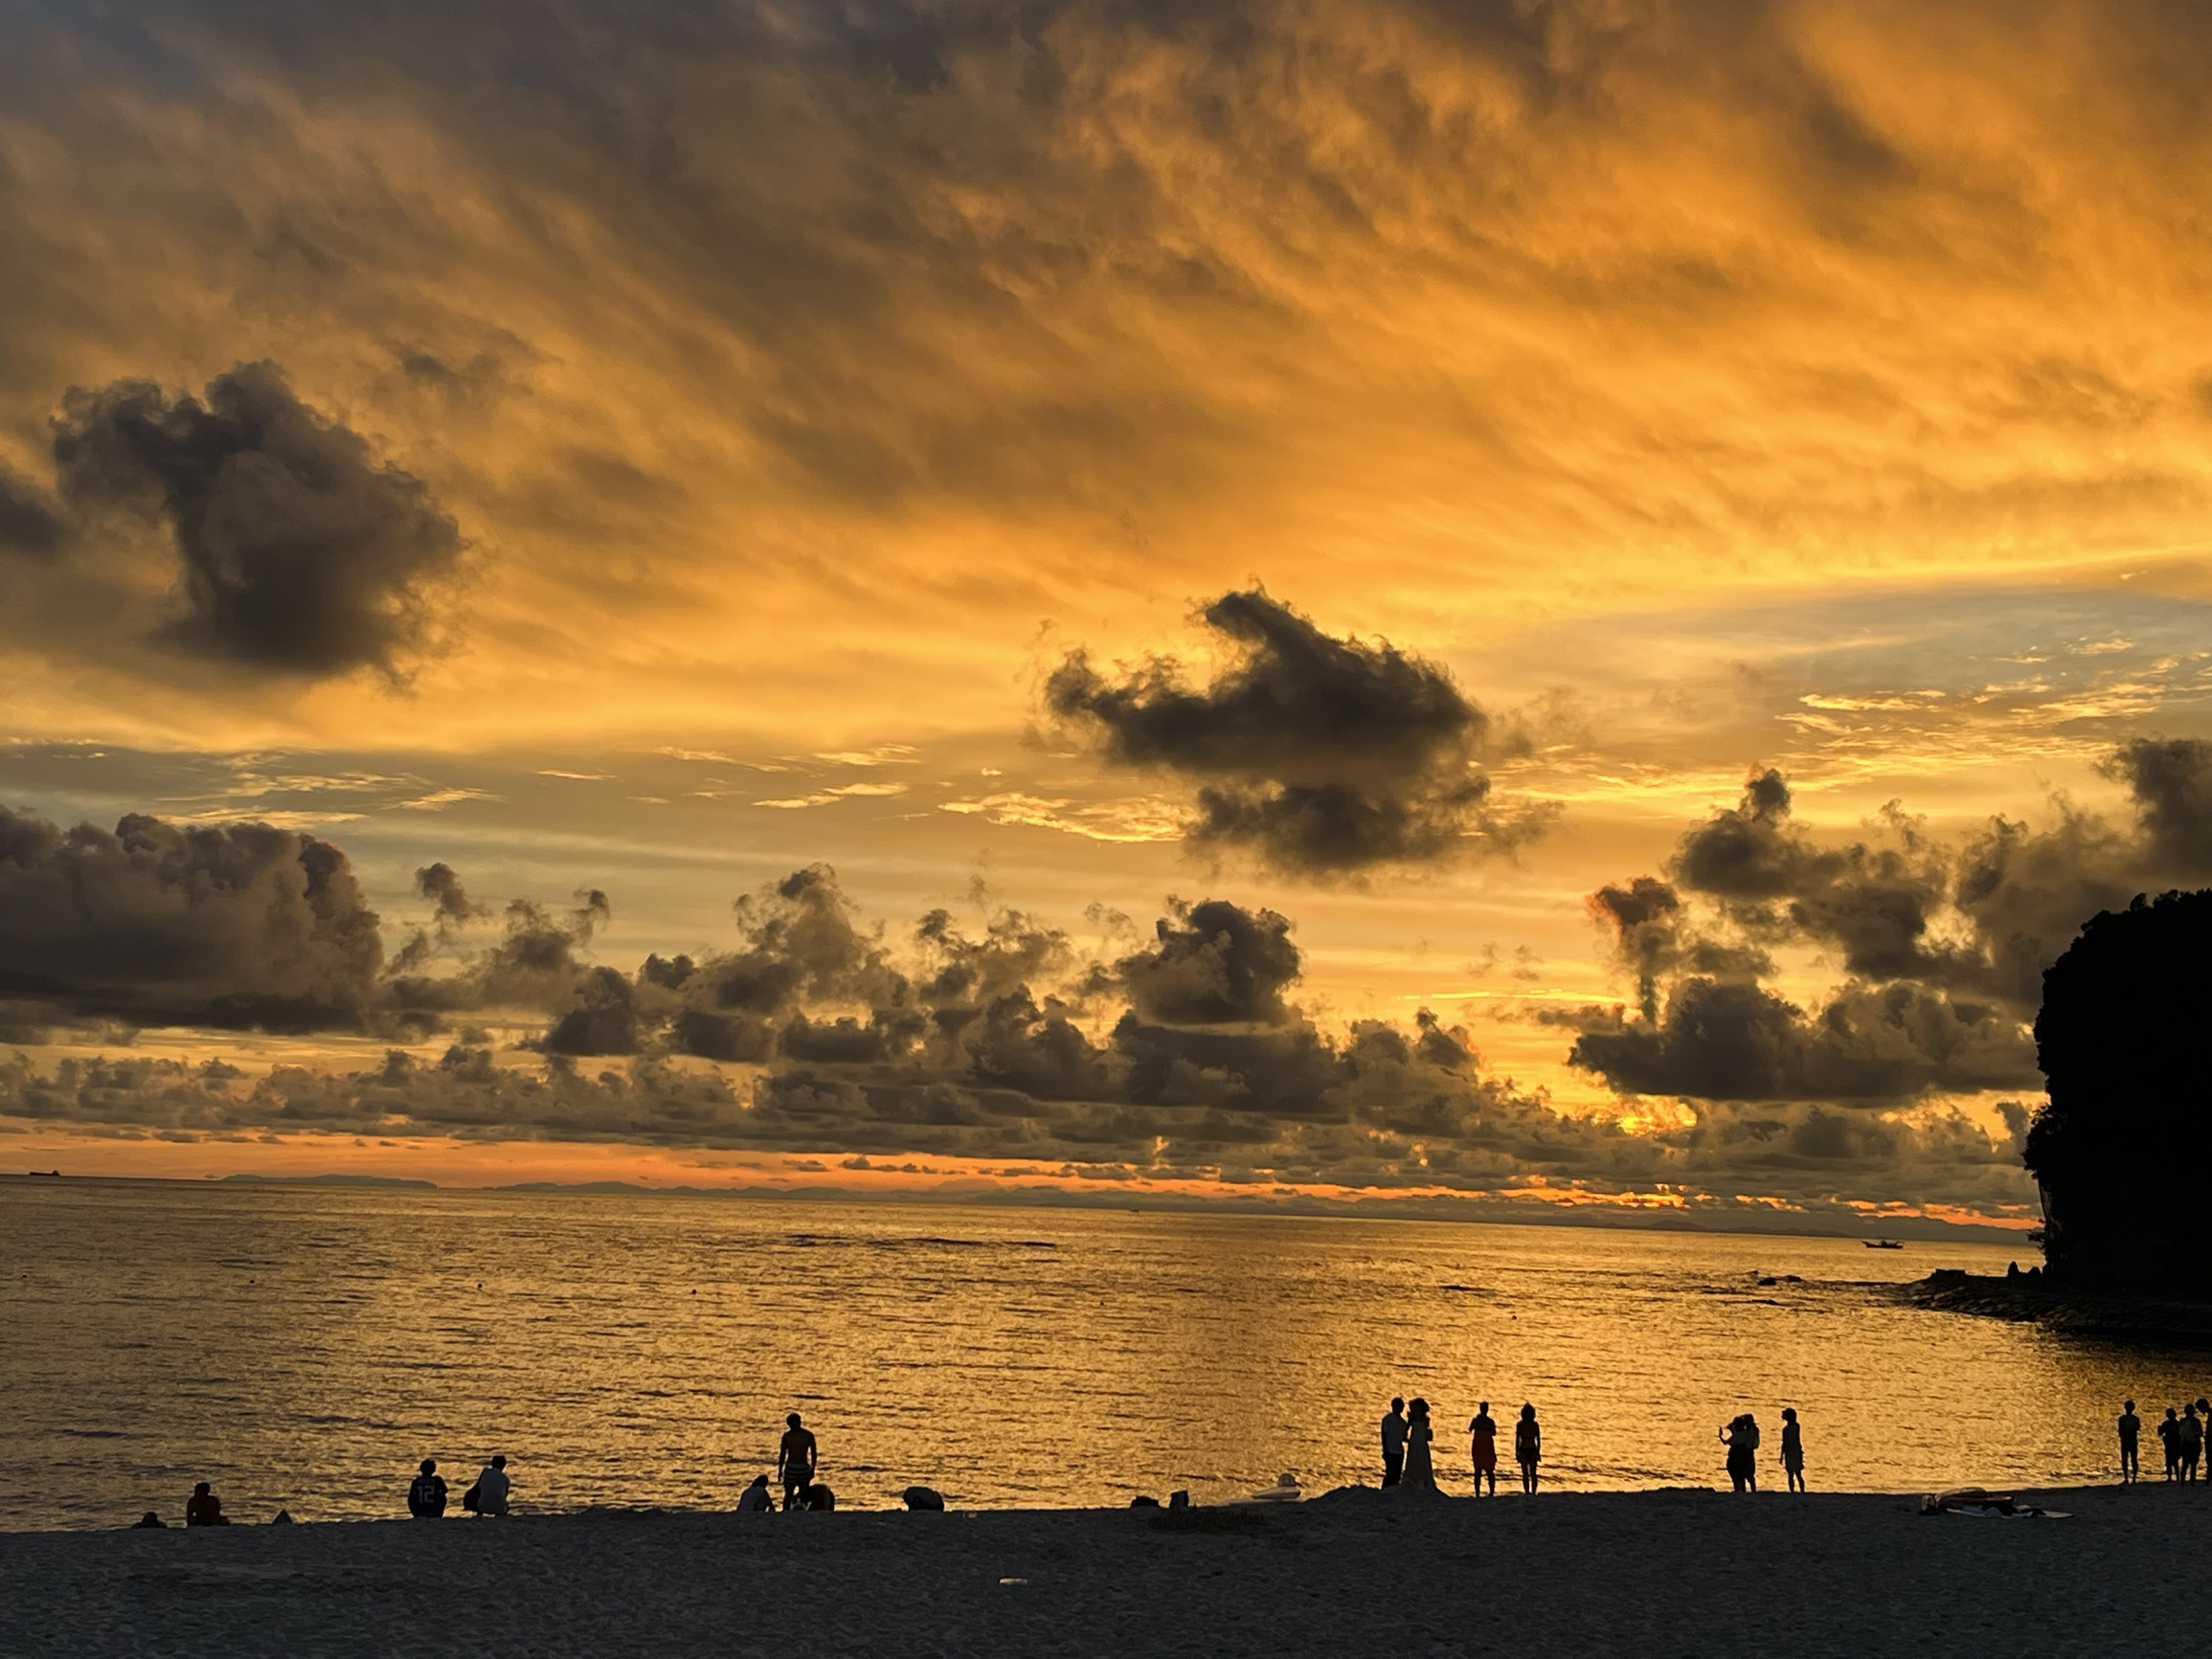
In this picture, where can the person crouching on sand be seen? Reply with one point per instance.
(754, 1499)
(1483, 1448)
(426, 1492)
(1527, 1446)
(1793, 1449)
(491, 1487)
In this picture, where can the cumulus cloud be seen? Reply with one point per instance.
(154, 924)
(1320, 755)
(1943, 946)
(299, 553)
(820, 1033)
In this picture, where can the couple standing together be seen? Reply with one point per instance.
(1407, 1437)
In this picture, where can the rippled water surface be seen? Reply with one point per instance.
(305, 1346)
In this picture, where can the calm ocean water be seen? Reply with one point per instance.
(305, 1346)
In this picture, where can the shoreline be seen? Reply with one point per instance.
(2053, 1308)
(1693, 1570)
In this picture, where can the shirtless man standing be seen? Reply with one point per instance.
(795, 1463)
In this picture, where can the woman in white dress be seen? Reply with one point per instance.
(1419, 1470)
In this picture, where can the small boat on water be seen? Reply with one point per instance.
(1882, 1243)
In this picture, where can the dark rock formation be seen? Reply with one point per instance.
(2119, 1146)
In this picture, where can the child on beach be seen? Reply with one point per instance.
(1483, 1448)
(1528, 1448)
(1793, 1449)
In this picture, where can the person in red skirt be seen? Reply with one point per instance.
(1484, 1432)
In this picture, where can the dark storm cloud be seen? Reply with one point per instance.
(1944, 945)
(1869, 1045)
(1214, 963)
(2171, 779)
(299, 553)
(231, 925)
(1323, 757)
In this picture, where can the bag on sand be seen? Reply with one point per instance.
(468, 1500)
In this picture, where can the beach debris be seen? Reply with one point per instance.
(148, 1520)
(922, 1497)
(1285, 1491)
(1984, 1504)
(1178, 1500)
(1142, 1502)
(282, 1518)
(1013, 1580)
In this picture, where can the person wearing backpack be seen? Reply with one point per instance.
(426, 1492)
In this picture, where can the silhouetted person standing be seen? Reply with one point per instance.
(1483, 1448)
(1743, 1439)
(426, 1492)
(203, 1508)
(1420, 1471)
(2192, 1438)
(1527, 1446)
(795, 1458)
(2170, 1436)
(1793, 1449)
(1394, 1442)
(2130, 1430)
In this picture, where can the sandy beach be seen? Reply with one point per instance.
(1671, 1573)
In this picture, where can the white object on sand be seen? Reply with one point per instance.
(1285, 1491)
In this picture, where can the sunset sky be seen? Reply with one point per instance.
(1484, 603)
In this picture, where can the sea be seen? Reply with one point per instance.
(303, 1347)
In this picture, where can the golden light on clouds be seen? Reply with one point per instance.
(1700, 388)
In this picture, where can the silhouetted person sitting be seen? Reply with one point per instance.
(1793, 1449)
(1394, 1442)
(426, 1492)
(147, 1519)
(2170, 1434)
(1527, 1446)
(2130, 1430)
(203, 1508)
(755, 1498)
(1483, 1448)
(795, 1458)
(820, 1497)
(492, 1487)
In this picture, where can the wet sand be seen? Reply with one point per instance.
(1647, 1574)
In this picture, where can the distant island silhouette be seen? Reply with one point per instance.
(2117, 1146)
